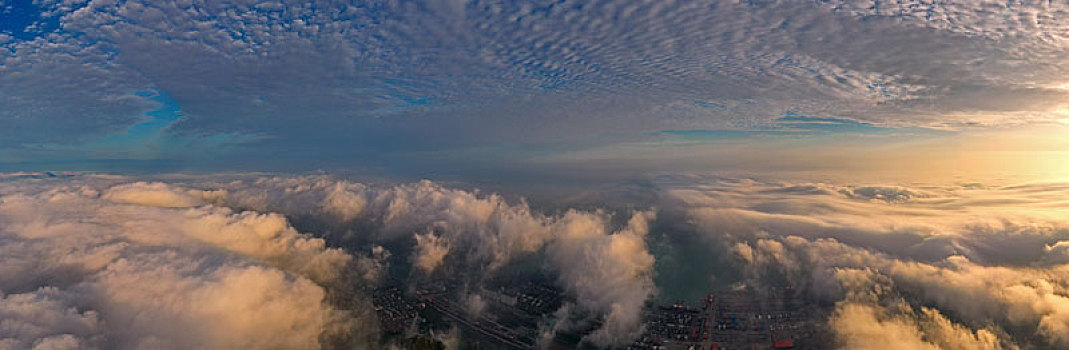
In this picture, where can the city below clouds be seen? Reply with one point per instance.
(105, 261)
(664, 174)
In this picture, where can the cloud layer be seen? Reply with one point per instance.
(141, 267)
(114, 262)
(939, 267)
(454, 76)
(99, 261)
(609, 274)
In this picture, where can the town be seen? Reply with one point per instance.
(513, 317)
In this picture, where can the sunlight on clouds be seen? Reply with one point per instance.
(1012, 154)
(606, 271)
(907, 180)
(1031, 154)
(966, 266)
(886, 259)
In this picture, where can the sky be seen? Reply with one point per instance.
(245, 174)
(473, 89)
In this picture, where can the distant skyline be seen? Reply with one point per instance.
(472, 88)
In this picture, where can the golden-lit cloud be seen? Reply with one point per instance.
(953, 266)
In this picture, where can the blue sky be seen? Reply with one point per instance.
(23, 19)
(425, 87)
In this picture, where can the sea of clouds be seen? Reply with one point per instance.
(101, 261)
(217, 261)
(91, 265)
(962, 266)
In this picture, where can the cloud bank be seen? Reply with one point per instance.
(139, 266)
(180, 261)
(938, 267)
(608, 273)
(109, 251)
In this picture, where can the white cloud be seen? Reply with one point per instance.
(243, 307)
(146, 273)
(947, 267)
(869, 326)
(161, 195)
(493, 230)
(44, 319)
(430, 251)
(609, 273)
(190, 235)
(859, 327)
(345, 202)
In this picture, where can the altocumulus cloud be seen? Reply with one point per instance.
(365, 73)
